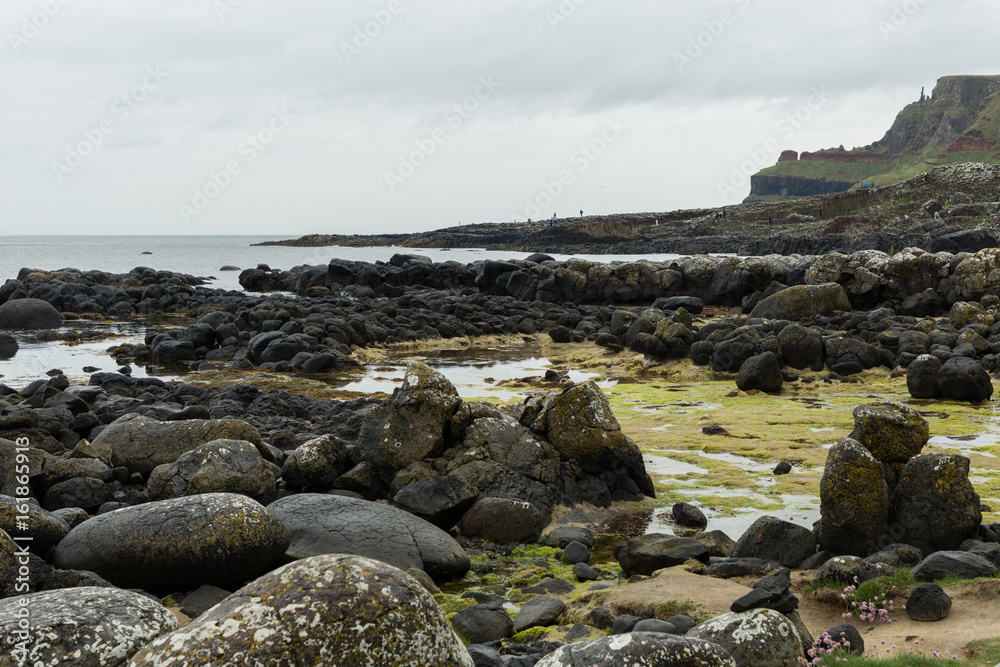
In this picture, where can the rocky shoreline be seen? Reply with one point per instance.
(284, 508)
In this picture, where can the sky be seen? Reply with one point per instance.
(307, 116)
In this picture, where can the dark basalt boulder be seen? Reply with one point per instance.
(762, 373)
(770, 538)
(964, 379)
(646, 554)
(854, 500)
(928, 603)
(29, 314)
(798, 302)
(922, 377)
(935, 504)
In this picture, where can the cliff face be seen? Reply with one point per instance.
(961, 116)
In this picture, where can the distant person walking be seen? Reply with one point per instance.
(581, 212)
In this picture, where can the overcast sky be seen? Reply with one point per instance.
(309, 116)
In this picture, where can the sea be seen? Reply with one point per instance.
(204, 256)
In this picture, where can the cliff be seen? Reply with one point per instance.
(959, 122)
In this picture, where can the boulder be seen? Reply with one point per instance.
(801, 301)
(928, 603)
(140, 443)
(315, 464)
(640, 649)
(574, 553)
(854, 500)
(84, 492)
(442, 500)
(29, 314)
(922, 377)
(563, 535)
(179, 544)
(646, 554)
(325, 610)
(935, 505)
(579, 423)
(770, 538)
(959, 564)
(8, 346)
(689, 516)
(964, 379)
(410, 426)
(762, 637)
(801, 348)
(844, 570)
(483, 623)
(45, 529)
(503, 521)
(892, 433)
(762, 372)
(80, 627)
(539, 611)
(220, 466)
(324, 524)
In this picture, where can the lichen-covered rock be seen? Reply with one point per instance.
(220, 466)
(801, 301)
(324, 524)
(977, 274)
(640, 649)
(772, 539)
(325, 610)
(675, 338)
(140, 443)
(956, 564)
(847, 569)
(80, 627)
(179, 544)
(579, 423)
(315, 464)
(762, 637)
(854, 500)
(44, 528)
(410, 426)
(892, 433)
(646, 554)
(935, 504)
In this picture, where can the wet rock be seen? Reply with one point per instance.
(762, 637)
(892, 433)
(958, 564)
(220, 466)
(922, 377)
(140, 443)
(928, 603)
(410, 426)
(483, 623)
(324, 524)
(503, 521)
(29, 314)
(8, 346)
(177, 544)
(689, 516)
(761, 372)
(333, 609)
(646, 554)
(854, 500)
(539, 611)
(964, 379)
(935, 504)
(574, 553)
(107, 627)
(639, 649)
(770, 538)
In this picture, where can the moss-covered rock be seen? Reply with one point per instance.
(892, 433)
(854, 500)
(411, 425)
(44, 528)
(935, 506)
(140, 443)
(220, 466)
(179, 544)
(801, 301)
(325, 610)
(82, 627)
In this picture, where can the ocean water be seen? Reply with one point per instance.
(205, 255)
